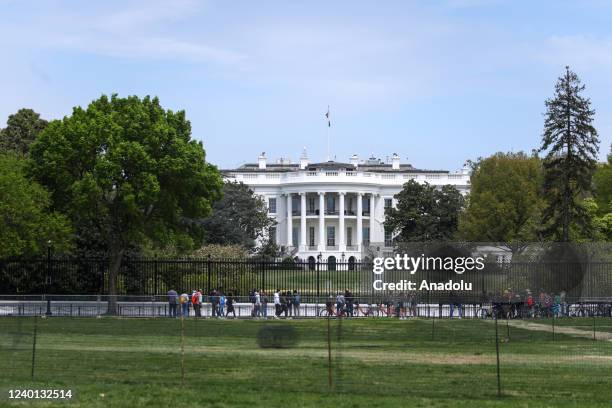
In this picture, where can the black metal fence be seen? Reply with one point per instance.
(152, 276)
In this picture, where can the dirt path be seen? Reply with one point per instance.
(572, 331)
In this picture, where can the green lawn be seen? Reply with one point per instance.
(375, 363)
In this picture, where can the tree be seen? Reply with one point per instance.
(22, 129)
(571, 144)
(602, 181)
(239, 218)
(425, 213)
(504, 202)
(129, 169)
(28, 225)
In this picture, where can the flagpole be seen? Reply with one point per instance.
(328, 149)
(328, 115)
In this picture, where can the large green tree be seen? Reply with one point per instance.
(128, 168)
(240, 217)
(21, 130)
(425, 213)
(571, 145)
(602, 180)
(27, 225)
(504, 202)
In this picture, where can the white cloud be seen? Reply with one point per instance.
(134, 31)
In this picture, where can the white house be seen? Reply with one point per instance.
(334, 209)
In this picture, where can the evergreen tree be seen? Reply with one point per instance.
(21, 130)
(571, 145)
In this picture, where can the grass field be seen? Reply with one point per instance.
(375, 363)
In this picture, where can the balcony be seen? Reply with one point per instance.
(331, 212)
(331, 248)
(312, 247)
(352, 247)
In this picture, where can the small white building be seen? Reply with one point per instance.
(334, 209)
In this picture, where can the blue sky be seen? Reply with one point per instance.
(438, 82)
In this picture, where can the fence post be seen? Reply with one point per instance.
(208, 270)
(48, 279)
(34, 346)
(594, 331)
(182, 349)
(329, 358)
(318, 281)
(263, 274)
(497, 353)
(155, 271)
(433, 329)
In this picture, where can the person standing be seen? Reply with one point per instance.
(221, 304)
(277, 304)
(196, 301)
(264, 304)
(297, 299)
(184, 300)
(348, 299)
(172, 302)
(257, 310)
(289, 303)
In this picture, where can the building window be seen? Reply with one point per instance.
(349, 209)
(331, 236)
(388, 237)
(311, 236)
(311, 205)
(295, 205)
(331, 204)
(366, 207)
(349, 236)
(272, 205)
(388, 203)
(272, 234)
(294, 237)
(366, 235)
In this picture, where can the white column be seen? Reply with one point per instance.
(303, 243)
(321, 221)
(341, 233)
(373, 229)
(289, 221)
(359, 220)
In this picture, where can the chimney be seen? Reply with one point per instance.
(395, 161)
(304, 159)
(262, 160)
(354, 160)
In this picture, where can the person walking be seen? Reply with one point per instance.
(297, 299)
(230, 305)
(172, 302)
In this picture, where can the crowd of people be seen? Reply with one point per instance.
(221, 305)
(508, 304)
(511, 304)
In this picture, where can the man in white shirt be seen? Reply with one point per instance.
(277, 303)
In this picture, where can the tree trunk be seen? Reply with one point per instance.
(116, 255)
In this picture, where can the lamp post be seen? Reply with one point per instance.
(48, 278)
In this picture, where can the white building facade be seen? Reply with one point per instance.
(334, 211)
